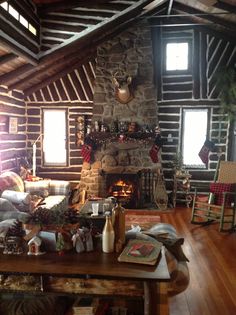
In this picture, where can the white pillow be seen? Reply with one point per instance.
(17, 197)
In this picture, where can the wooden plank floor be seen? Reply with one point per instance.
(212, 255)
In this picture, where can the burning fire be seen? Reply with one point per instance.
(121, 189)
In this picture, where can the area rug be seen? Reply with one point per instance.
(144, 218)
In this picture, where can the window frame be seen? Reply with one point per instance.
(44, 163)
(177, 41)
(207, 109)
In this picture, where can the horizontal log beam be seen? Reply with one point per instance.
(6, 58)
(67, 68)
(65, 5)
(104, 27)
(15, 74)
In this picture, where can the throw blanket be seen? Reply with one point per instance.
(175, 257)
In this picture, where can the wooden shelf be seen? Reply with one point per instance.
(122, 138)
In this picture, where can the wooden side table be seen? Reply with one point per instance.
(181, 189)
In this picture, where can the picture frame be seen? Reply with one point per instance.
(13, 125)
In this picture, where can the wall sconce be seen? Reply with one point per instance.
(169, 138)
(34, 155)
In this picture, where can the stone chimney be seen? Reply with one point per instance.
(128, 54)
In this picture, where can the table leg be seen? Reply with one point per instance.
(155, 298)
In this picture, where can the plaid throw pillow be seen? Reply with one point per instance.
(217, 189)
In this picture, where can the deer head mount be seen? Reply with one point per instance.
(123, 89)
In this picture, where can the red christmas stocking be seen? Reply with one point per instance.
(154, 153)
(86, 152)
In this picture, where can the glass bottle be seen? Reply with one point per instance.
(118, 221)
(108, 236)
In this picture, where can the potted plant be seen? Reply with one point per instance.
(226, 80)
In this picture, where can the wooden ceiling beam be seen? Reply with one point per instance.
(53, 7)
(69, 67)
(17, 50)
(81, 39)
(6, 58)
(49, 66)
(84, 46)
(227, 25)
(15, 74)
(170, 7)
(225, 6)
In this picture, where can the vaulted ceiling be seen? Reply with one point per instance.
(68, 32)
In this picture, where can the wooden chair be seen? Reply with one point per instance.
(220, 203)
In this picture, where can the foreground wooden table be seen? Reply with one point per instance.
(93, 273)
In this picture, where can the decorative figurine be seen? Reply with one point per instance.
(96, 126)
(34, 246)
(13, 245)
(82, 240)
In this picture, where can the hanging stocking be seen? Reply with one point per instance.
(86, 152)
(204, 152)
(154, 153)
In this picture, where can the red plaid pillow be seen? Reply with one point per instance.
(217, 189)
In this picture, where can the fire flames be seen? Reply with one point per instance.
(121, 189)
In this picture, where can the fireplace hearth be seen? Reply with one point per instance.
(125, 188)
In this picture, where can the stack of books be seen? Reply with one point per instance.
(141, 252)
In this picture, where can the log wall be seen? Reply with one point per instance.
(73, 92)
(196, 89)
(12, 145)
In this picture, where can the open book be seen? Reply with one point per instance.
(141, 252)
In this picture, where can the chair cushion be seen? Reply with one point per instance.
(217, 189)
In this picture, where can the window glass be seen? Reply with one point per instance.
(194, 135)
(13, 12)
(177, 56)
(4, 5)
(32, 29)
(54, 137)
(23, 21)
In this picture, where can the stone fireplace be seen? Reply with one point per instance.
(124, 155)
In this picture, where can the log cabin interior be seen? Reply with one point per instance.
(104, 92)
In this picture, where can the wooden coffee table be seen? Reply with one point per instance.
(93, 273)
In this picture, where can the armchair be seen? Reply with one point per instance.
(220, 203)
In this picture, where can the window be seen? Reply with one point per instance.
(23, 21)
(177, 56)
(54, 137)
(18, 17)
(13, 12)
(4, 5)
(195, 127)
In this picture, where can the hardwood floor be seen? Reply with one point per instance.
(212, 288)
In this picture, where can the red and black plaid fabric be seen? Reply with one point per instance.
(86, 152)
(218, 188)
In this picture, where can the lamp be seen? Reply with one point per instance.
(34, 154)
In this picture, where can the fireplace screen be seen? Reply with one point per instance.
(125, 188)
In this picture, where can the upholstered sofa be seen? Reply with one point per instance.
(18, 198)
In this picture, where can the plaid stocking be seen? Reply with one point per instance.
(86, 152)
(204, 152)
